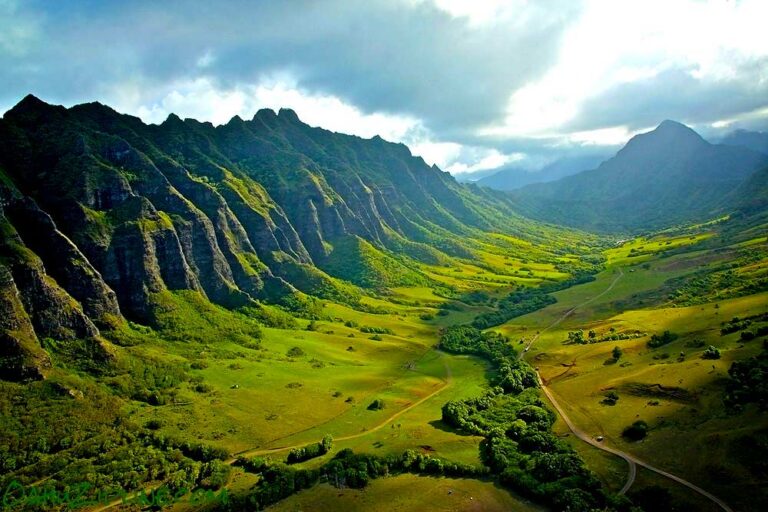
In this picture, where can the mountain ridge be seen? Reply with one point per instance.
(660, 178)
(247, 211)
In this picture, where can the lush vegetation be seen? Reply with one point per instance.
(526, 300)
(749, 381)
(346, 469)
(518, 444)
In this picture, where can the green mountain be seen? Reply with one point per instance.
(103, 215)
(665, 177)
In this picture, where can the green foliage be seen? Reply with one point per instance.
(748, 382)
(616, 353)
(526, 300)
(346, 470)
(711, 353)
(376, 405)
(188, 317)
(310, 451)
(357, 261)
(665, 338)
(295, 352)
(611, 398)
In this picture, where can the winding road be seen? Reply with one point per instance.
(631, 460)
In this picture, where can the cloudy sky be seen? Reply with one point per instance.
(469, 85)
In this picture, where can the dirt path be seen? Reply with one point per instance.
(631, 460)
(570, 312)
(448, 379)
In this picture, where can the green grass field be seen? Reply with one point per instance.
(409, 493)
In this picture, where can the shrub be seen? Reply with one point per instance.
(711, 353)
(665, 338)
(295, 352)
(637, 431)
(376, 405)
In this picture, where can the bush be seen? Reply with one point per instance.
(711, 353)
(637, 431)
(295, 352)
(611, 398)
(376, 405)
(658, 341)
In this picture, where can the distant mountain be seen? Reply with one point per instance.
(511, 178)
(751, 196)
(660, 178)
(756, 141)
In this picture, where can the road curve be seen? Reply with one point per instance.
(631, 460)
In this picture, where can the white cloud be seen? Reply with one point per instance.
(206, 59)
(613, 136)
(204, 100)
(619, 42)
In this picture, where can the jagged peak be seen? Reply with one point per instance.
(30, 104)
(264, 114)
(667, 133)
(172, 119)
(288, 114)
(236, 120)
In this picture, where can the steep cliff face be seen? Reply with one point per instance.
(103, 212)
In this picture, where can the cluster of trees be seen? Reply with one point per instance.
(310, 451)
(376, 330)
(511, 374)
(711, 352)
(147, 380)
(737, 324)
(526, 300)
(347, 469)
(518, 444)
(748, 381)
(592, 337)
(660, 340)
(521, 450)
(196, 451)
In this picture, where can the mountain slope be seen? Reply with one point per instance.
(103, 216)
(661, 178)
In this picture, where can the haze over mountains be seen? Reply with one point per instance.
(514, 177)
(661, 178)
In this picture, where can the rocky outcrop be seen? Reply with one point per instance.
(21, 355)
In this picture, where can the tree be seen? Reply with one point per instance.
(592, 334)
(637, 431)
(711, 353)
(617, 353)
